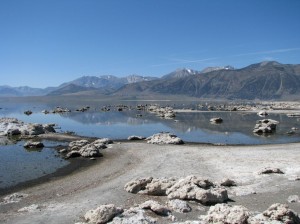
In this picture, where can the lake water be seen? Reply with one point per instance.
(17, 163)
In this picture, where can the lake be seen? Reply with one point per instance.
(19, 165)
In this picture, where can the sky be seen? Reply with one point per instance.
(47, 42)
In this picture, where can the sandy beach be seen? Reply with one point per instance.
(66, 199)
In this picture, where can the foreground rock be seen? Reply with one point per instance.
(188, 188)
(102, 214)
(86, 149)
(164, 138)
(150, 186)
(179, 206)
(133, 215)
(277, 214)
(224, 213)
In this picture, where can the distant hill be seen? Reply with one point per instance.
(265, 80)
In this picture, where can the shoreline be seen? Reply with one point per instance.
(66, 199)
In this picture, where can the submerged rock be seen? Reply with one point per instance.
(164, 138)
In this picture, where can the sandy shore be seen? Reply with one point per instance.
(66, 199)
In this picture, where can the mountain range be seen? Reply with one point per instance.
(266, 80)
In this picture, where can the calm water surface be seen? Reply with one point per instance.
(18, 165)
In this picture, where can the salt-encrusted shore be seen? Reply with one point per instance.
(67, 199)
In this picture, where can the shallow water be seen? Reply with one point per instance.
(19, 165)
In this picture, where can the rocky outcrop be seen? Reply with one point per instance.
(224, 213)
(164, 138)
(86, 149)
(189, 188)
(150, 186)
(265, 126)
(12, 126)
(102, 214)
(276, 213)
(198, 189)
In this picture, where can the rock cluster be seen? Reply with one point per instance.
(188, 188)
(164, 138)
(265, 126)
(12, 126)
(86, 149)
(164, 112)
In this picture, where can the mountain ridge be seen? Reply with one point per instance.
(263, 80)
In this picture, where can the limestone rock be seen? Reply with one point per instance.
(262, 113)
(135, 137)
(164, 138)
(277, 214)
(102, 214)
(224, 213)
(270, 170)
(77, 145)
(227, 182)
(150, 186)
(179, 206)
(32, 145)
(155, 207)
(13, 198)
(199, 189)
(293, 198)
(216, 120)
(265, 126)
(132, 216)
(137, 185)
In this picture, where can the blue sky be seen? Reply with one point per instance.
(48, 42)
